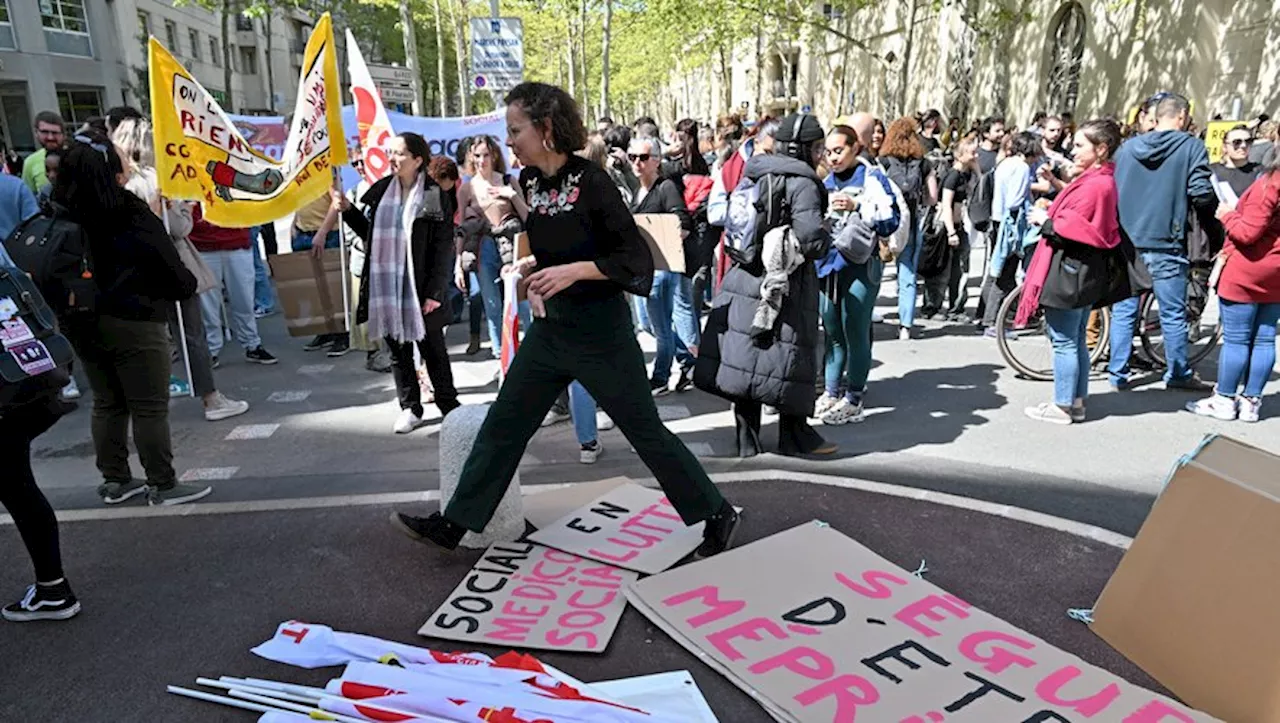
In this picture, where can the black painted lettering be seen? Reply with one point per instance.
(897, 653)
(985, 686)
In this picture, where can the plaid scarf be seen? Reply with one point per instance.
(394, 309)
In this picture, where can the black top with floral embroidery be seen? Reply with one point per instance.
(578, 215)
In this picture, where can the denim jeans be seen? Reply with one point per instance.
(233, 270)
(846, 304)
(908, 260)
(1248, 347)
(1169, 274)
(475, 310)
(304, 240)
(490, 272)
(582, 407)
(264, 294)
(1070, 353)
(675, 324)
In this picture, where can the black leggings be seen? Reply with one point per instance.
(19, 493)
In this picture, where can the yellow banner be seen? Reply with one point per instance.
(201, 156)
(1215, 138)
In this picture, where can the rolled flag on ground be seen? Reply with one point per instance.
(510, 321)
(317, 646)
(372, 124)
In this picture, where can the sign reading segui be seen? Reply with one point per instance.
(629, 526)
(529, 596)
(820, 629)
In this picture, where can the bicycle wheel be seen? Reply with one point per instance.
(1204, 331)
(1028, 350)
(1102, 342)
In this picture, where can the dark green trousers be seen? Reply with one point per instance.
(594, 343)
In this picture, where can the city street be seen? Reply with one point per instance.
(945, 470)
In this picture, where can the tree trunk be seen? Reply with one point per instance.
(582, 54)
(759, 109)
(726, 82)
(905, 73)
(271, 76)
(459, 14)
(411, 56)
(227, 60)
(604, 62)
(444, 94)
(573, 63)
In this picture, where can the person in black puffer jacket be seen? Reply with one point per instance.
(778, 371)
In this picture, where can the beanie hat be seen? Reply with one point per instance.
(800, 128)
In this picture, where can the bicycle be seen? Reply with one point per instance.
(1030, 352)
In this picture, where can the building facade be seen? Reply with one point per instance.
(81, 57)
(971, 58)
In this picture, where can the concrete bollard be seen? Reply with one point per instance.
(457, 436)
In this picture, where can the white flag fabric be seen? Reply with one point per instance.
(318, 646)
(373, 126)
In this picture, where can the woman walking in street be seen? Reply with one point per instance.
(407, 272)
(774, 365)
(903, 159)
(588, 253)
(1069, 273)
(1249, 293)
(124, 347)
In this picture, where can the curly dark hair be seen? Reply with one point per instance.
(902, 140)
(553, 107)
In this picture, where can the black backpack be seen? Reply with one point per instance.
(981, 196)
(34, 357)
(54, 251)
(909, 176)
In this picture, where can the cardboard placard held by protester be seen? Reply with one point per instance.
(529, 596)
(818, 628)
(1193, 601)
(310, 291)
(660, 230)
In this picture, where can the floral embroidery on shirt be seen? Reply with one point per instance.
(556, 200)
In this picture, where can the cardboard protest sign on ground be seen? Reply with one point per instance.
(310, 291)
(529, 596)
(630, 526)
(818, 629)
(543, 509)
(662, 232)
(1193, 602)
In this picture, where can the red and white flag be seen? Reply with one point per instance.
(371, 116)
(510, 321)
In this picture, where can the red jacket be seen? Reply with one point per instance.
(207, 237)
(1252, 271)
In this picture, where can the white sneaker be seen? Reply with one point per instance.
(1250, 409)
(904, 333)
(1051, 413)
(824, 405)
(844, 412)
(220, 407)
(877, 317)
(555, 416)
(591, 452)
(604, 422)
(408, 422)
(71, 391)
(1216, 406)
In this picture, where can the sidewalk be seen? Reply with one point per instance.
(167, 599)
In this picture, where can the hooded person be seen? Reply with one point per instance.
(777, 368)
(1161, 177)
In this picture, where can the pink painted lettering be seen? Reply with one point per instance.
(875, 587)
(708, 595)
(1158, 711)
(748, 629)
(932, 608)
(850, 692)
(1050, 691)
(994, 658)
(799, 660)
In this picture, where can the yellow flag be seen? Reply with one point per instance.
(201, 156)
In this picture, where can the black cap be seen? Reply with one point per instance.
(799, 128)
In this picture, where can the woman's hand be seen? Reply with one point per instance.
(843, 202)
(459, 276)
(551, 281)
(504, 192)
(1037, 216)
(953, 239)
(340, 200)
(1224, 209)
(430, 305)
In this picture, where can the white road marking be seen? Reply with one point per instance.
(315, 368)
(672, 412)
(252, 431)
(289, 397)
(701, 449)
(204, 474)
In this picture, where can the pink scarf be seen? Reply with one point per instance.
(1086, 212)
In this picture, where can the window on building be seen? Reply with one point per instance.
(215, 51)
(193, 35)
(66, 29)
(171, 37)
(249, 61)
(78, 105)
(244, 23)
(7, 38)
(144, 24)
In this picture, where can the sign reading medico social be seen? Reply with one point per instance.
(497, 53)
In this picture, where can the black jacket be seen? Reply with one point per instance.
(665, 197)
(135, 264)
(781, 373)
(431, 242)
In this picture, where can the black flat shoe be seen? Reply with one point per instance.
(719, 532)
(748, 440)
(433, 528)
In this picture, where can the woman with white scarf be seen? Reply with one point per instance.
(408, 234)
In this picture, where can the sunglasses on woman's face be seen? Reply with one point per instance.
(639, 157)
(1240, 143)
